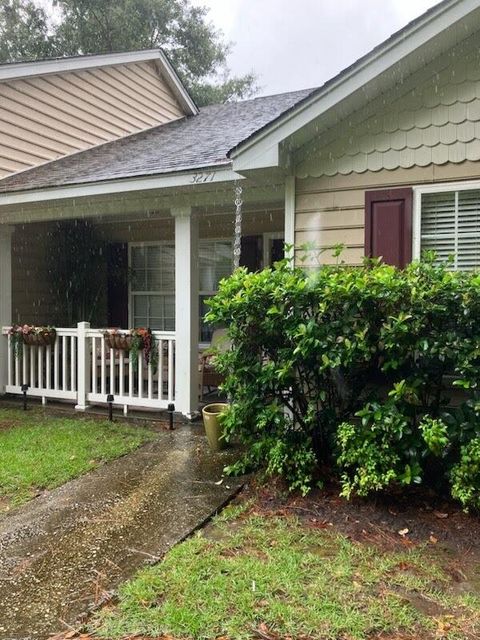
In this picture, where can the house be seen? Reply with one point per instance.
(383, 158)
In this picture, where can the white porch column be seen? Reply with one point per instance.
(290, 215)
(5, 297)
(83, 366)
(186, 311)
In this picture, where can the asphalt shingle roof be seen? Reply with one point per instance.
(197, 141)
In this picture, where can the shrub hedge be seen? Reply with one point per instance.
(368, 372)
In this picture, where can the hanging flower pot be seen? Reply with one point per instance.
(132, 342)
(119, 341)
(44, 339)
(32, 336)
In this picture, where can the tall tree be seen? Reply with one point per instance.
(196, 49)
(24, 31)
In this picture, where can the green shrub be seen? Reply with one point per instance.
(370, 372)
(378, 451)
(466, 475)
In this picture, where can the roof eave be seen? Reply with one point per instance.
(184, 177)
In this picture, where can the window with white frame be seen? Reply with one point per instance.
(152, 282)
(152, 286)
(450, 226)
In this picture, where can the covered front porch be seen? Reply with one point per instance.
(157, 255)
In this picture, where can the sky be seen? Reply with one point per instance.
(298, 44)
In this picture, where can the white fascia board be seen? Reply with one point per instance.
(207, 176)
(176, 84)
(59, 65)
(379, 62)
(258, 159)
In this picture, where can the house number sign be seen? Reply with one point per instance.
(203, 177)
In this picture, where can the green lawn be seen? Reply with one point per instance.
(41, 452)
(251, 576)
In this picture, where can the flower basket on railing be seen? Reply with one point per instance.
(119, 341)
(32, 336)
(132, 342)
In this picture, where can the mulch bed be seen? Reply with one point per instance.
(390, 521)
(406, 518)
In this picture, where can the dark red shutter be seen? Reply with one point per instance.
(117, 285)
(388, 225)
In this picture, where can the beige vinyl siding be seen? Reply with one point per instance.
(45, 117)
(331, 210)
(424, 130)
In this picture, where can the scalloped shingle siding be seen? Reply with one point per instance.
(433, 117)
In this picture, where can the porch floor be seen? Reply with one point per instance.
(64, 551)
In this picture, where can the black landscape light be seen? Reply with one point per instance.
(110, 400)
(24, 391)
(171, 410)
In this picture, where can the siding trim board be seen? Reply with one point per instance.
(125, 185)
(42, 67)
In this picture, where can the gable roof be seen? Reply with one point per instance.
(189, 143)
(411, 47)
(16, 70)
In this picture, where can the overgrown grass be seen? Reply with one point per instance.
(41, 452)
(252, 576)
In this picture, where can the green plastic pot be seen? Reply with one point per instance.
(213, 429)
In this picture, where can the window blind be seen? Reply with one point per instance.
(450, 225)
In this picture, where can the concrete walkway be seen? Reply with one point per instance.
(62, 552)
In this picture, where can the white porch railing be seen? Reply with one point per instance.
(80, 367)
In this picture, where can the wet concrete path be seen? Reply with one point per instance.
(62, 552)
